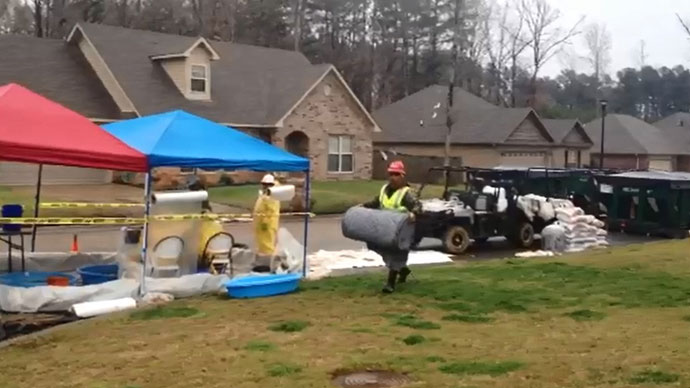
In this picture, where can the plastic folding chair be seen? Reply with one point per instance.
(165, 258)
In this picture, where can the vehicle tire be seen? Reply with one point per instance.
(456, 240)
(524, 235)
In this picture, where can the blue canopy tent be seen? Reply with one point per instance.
(180, 139)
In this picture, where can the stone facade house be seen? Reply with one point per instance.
(483, 135)
(633, 144)
(112, 73)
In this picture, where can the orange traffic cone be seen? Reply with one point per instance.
(75, 244)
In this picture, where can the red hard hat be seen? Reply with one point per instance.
(397, 167)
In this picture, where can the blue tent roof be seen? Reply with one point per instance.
(180, 139)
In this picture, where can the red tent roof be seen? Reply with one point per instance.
(34, 129)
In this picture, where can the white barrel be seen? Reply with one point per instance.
(282, 193)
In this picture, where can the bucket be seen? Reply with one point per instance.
(60, 281)
(97, 274)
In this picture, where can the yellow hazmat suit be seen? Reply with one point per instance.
(266, 217)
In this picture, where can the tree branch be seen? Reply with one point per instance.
(684, 24)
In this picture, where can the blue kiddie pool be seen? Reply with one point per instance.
(262, 286)
(97, 274)
(33, 279)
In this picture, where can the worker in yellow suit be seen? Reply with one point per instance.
(266, 216)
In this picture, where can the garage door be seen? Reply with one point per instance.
(523, 159)
(22, 174)
(660, 164)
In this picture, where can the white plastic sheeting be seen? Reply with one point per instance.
(56, 261)
(323, 263)
(51, 298)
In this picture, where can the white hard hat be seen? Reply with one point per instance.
(268, 179)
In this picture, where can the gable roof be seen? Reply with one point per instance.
(252, 86)
(186, 53)
(630, 135)
(421, 118)
(563, 129)
(57, 72)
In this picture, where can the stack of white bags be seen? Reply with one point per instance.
(581, 231)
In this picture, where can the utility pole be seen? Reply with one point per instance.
(453, 79)
(604, 104)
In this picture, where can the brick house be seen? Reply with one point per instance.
(112, 73)
(483, 135)
(633, 144)
(677, 125)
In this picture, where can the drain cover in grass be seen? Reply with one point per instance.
(370, 379)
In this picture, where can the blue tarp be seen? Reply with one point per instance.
(180, 139)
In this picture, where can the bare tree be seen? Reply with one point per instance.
(546, 36)
(508, 42)
(685, 24)
(38, 17)
(598, 42)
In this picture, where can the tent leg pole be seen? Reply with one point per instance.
(145, 242)
(37, 203)
(307, 205)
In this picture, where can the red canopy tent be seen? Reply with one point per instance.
(34, 129)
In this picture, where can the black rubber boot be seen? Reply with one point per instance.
(404, 273)
(389, 288)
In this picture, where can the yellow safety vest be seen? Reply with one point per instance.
(394, 202)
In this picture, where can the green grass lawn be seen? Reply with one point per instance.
(10, 196)
(330, 197)
(612, 318)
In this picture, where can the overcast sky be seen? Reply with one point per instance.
(629, 22)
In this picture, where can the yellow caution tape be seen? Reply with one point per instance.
(132, 221)
(72, 221)
(74, 205)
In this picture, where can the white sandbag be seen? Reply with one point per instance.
(553, 238)
(380, 228)
(93, 309)
(546, 211)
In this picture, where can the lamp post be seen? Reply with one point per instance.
(604, 104)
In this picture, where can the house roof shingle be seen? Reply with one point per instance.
(630, 135)
(250, 85)
(421, 118)
(561, 128)
(57, 72)
(677, 126)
